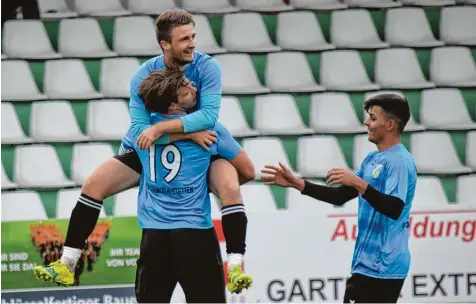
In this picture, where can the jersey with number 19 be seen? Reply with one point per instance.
(173, 191)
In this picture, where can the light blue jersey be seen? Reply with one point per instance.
(173, 191)
(381, 249)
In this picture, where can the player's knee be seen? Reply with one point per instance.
(248, 172)
(92, 188)
(228, 191)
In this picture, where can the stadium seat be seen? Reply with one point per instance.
(471, 149)
(362, 147)
(116, 75)
(4, 56)
(239, 75)
(290, 72)
(263, 5)
(54, 121)
(55, 10)
(135, 36)
(398, 68)
(66, 200)
(12, 131)
(372, 3)
(409, 27)
(457, 25)
(275, 152)
(103, 8)
(107, 119)
(22, 206)
(429, 192)
(295, 201)
(334, 113)
(322, 5)
(126, 203)
(68, 79)
(257, 198)
(465, 189)
(319, 154)
(6, 183)
(27, 39)
(428, 3)
(38, 166)
(453, 66)
(411, 126)
(291, 25)
(215, 207)
(344, 71)
(445, 109)
(82, 38)
(87, 157)
(434, 153)
(278, 114)
(246, 32)
(20, 84)
(150, 7)
(209, 6)
(467, 1)
(354, 29)
(206, 42)
(233, 118)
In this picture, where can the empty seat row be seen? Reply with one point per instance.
(39, 165)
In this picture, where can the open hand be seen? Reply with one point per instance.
(147, 138)
(204, 138)
(280, 176)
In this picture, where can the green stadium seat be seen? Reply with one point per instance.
(344, 70)
(277, 114)
(82, 38)
(319, 154)
(87, 157)
(6, 183)
(126, 203)
(103, 8)
(372, 3)
(38, 166)
(453, 66)
(68, 79)
(22, 206)
(209, 6)
(471, 149)
(434, 153)
(354, 28)
(263, 5)
(429, 191)
(20, 84)
(207, 42)
(334, 113)
(239, 75)
(465, 189)
(107, 119)
(27, 39)
(233, 118)
(290, 72)
(398, 68)
(135, 36)
(444, 109)
(318, 4)
(66, 200)
(116, 75)
(409, 27)
(258, 198)
(246, 32)
(457, 25)
(54, 121)
(55, 10)
(12, 131)
(150, 7)
(428, 3)
(291, 25)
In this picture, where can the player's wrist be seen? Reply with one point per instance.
(299, 184)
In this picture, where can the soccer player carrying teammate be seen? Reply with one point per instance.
(179, 243)
(385, 185)
(175, 31)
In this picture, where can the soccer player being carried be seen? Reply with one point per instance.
(385, 185)
(175, 32)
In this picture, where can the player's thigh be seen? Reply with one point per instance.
(223, 182)
(360, 289)
(113, 176)
(389, 290)
(155, 274)
(200, 266)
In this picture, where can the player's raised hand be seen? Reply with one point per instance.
(280, 176)
(204, 138)
(341, 177)
(147, 138)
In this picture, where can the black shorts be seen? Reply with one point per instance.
(364, 289)
(190, 257)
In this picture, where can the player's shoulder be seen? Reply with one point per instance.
(204, 61)
(399, 156)
(153, 64)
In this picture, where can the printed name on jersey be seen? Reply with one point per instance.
(376, 171)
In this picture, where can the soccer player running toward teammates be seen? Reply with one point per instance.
(385, 184)
(175, 32)
(179, 243)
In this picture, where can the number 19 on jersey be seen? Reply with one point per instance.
(170, 159)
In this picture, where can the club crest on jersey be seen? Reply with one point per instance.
(376, 171)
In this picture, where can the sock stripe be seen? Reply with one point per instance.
(233, 209)
(90, 199)
(89, 204)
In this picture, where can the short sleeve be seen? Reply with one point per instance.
(227, 146)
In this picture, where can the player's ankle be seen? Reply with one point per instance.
(70, 257)
(234, 259)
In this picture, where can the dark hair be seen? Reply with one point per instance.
(169, 20)
(159, 89)
(394, 105)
